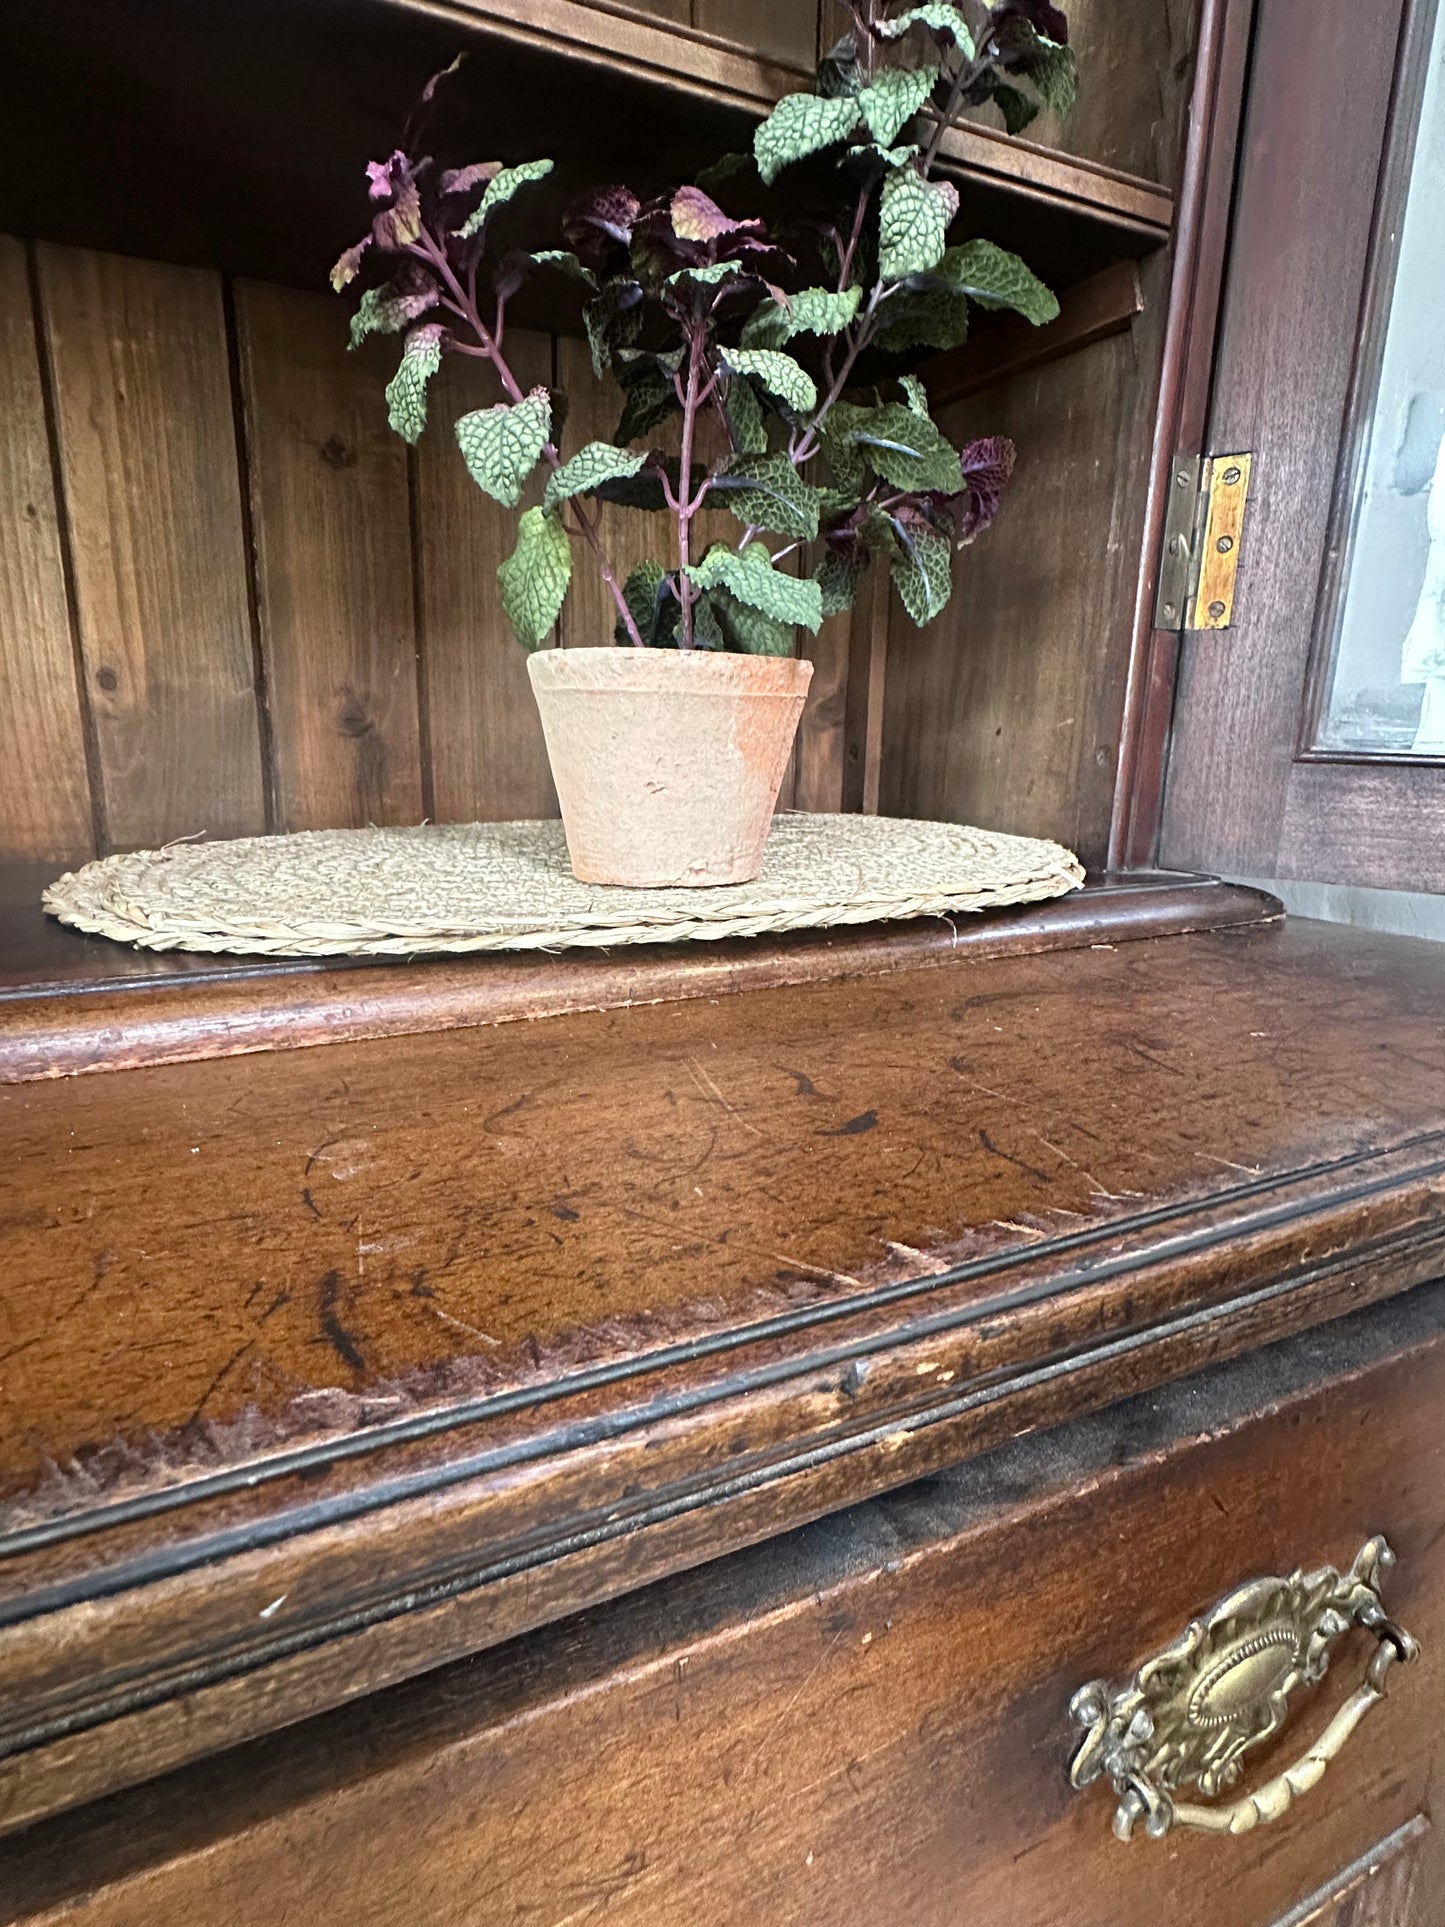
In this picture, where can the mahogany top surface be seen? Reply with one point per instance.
(204, 1259)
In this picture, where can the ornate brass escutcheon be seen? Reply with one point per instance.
(1189, 1715)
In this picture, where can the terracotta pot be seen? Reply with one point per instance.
(667, 761)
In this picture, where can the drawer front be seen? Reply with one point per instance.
(867, 1724)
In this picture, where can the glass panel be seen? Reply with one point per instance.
(1387, 683)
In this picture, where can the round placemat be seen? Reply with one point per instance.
(454, 887)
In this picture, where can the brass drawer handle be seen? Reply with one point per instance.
(1189, 1715)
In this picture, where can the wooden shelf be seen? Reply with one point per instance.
(235, 137)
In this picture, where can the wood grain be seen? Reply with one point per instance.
(1292, 307)
(153, 506)
(782, 30)
(331, 513)
(433, 1343)
(74, 1004)
(866, 1722)
(822, 734)
(1379, 1890)
(45, 803)
(488, 761)
(1006, 710)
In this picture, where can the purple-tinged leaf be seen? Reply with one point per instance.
(987, 465)
(1041, 15)
(697, 217)
(461, 180)
(599, 223)
(348, 265)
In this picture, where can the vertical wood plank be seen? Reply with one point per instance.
(45, 805)
(873, 615)
(146, 431)
(488, 758)
(331, 513)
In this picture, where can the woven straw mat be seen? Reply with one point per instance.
(508, 886)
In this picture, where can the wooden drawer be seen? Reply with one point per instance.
(864, 1724)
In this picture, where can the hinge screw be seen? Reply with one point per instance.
(1176, 545)
(1169, 611)
(1181, 480)
(1216, 610)
(1225, 544)
(1231, 476)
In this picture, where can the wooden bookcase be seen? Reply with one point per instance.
(236, 603)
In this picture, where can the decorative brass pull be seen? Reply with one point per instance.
(1189, 1715)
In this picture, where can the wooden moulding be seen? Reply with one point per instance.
(138, 1010)
(690, 1293)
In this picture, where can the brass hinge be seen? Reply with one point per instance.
(1203, 524)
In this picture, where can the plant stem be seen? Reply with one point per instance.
(464, 304)
(687, 503)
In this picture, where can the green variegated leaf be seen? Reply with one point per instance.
(894, 98)
(421, 356)
(904, 448)
(501, 188)
(747, 630)
(838, 576)
(706, 277)
(502, 444)
(801, 124)
(768, 492)
(915, 395)
(926, 317)
(913, 223)
(745, 417)
(535, 576)
(613, 319)
(597, 462)
(777, 374)
(940, 19)
(813, 311)
(995, 278)
(922, 571)
(1054, 71)
(849, 471)
(389, 309)
(751, 577)
(564, 259)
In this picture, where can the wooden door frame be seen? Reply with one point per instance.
(1247, 791)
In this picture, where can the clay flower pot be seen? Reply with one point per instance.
(667, 761)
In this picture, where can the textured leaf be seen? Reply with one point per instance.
(421, 356)
(894, 98)
(748, 631)
(389, 309)
(801, 124)
(915, 394)
(904, 448)
(813, 311)
(751, 577)
(697, 217)
(653, 604)
(564, 259)
(768, 491)
(922, 570)
(987, 465)
(745, 416)
(502, 444)
(838, 70)
(597, 462)
(707, 276)
(778, 374)
(913, 223)
(926, 317)
(1043, 15)
(707, 631)
(941, 20)
(535, 576)
(651, 397)
(461, 180)
(501, 188)
(612, 319)
(838, 576)
(1015, 106)
(995, 278)
(1046, 62)
(348, 265)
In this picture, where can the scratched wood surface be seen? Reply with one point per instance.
(866, 1721)
(258, 1228)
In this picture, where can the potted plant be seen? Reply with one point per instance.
(770, 352)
